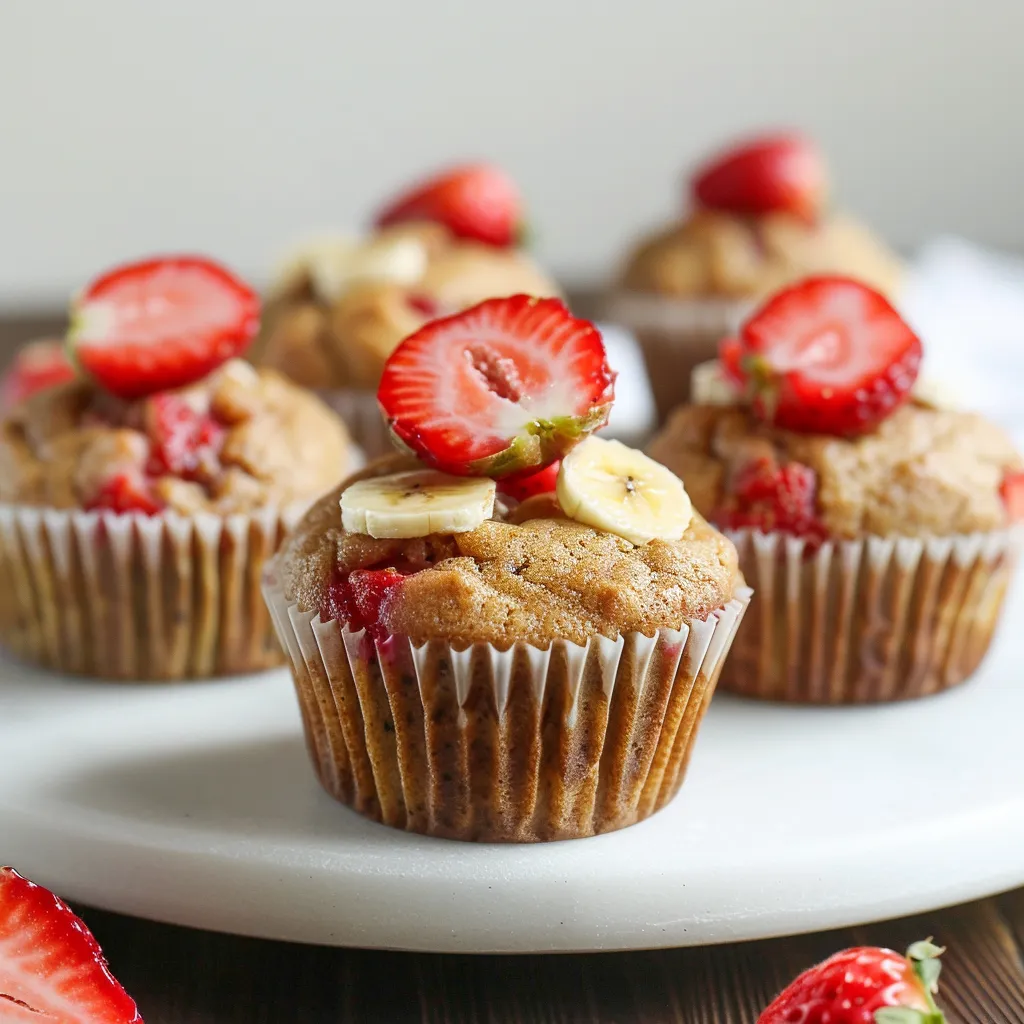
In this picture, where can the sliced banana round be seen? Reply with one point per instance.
(936, 394)
(416, 503)
(710, 386)
(611, 487)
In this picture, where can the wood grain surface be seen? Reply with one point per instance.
(181, 976)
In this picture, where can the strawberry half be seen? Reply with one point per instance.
(784, 173)
(161, 323)
(827, 355)
(506, 387)
(476, 201)
(37, 366)
(864, 985)
(528, 485)
(51, 967)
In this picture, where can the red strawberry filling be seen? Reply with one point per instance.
(361, 597)
(185, 443)
(769, 497)
(504, 388)
(526, 485)
(39, 365)
(827, 356)
(424, 305)
(126, 492)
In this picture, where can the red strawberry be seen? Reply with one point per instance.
(783, 173)
(730, 357)
(125, 492)
(161, 323)
(476, 201)
(526, 485)
(769, 497)
(425, 305)
(185, 443)
(828, 355)
(37, 366)
(501, 389)
(1011, 490)
(51, 967)
(358, 597)
(864, 985)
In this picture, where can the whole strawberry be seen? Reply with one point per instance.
(864, 985)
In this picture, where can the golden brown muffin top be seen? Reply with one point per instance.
(923, 471)
(257, 440)
(531, 575)
(342, 339)
(715, 254)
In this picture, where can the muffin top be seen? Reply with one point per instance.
(530, 574)
(340, 307)
(718, 254)
(238, 440)
(923, 471)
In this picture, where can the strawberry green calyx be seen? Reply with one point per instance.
(924, 958)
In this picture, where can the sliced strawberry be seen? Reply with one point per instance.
(185, 443)
(161, 323)
(783, 173)
(730, 357)
(503, 388)
(126, 492)
(527, 485)
(1011, 490)
(863, 985)
(828, 355)
(769, 497)
(476, 201)
(51, 967)
(37, 366)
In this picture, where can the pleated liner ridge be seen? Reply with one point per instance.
(133, 597)
(861, 621)
(523, 745)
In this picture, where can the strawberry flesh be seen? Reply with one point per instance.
(37, 366)
(125, 492)
(477, 202)
(768, 497)
(502, 389)
(527, 485)
(51, 967)
(360, 597)
(161, 324)
(1011, 490)
(777, 173)
(827, 355)
(185, 443)
(423, 304)
(852, 986)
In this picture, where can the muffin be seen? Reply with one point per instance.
(877, 524)
(135, 519)
(757, 223)
(38, 364)
(340, 306)
(474, 667)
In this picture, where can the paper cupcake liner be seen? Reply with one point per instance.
(675, 335)
(134, 597)
(523, 745)
(362, 416)
(864, 621)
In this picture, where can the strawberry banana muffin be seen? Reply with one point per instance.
(341, 305)
(38, 364)
(758, 221)
(876, 523)
(474, 666)
(139, 502)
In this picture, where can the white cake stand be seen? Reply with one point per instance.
(194, 804)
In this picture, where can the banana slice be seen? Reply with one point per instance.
(710, 386)
(416, 503)
(611, 487)
(936, 394)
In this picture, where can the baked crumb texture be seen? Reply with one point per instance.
(343, 343)
(513, 695)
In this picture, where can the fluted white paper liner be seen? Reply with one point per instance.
(869, 620)
(523, 745)
(132, 597)
(362, 416)
(675, 335)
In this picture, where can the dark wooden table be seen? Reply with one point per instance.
(181, 976)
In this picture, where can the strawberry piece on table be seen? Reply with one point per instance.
(864, 985)
(828, 355)
(1011, 490)
(527, 485)
(769, 497)
(161, 323)
(37, 366)
(185, 443)
(125, 492)
(476, 201)
(51, 967)
(504, 388)
(776, 173)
